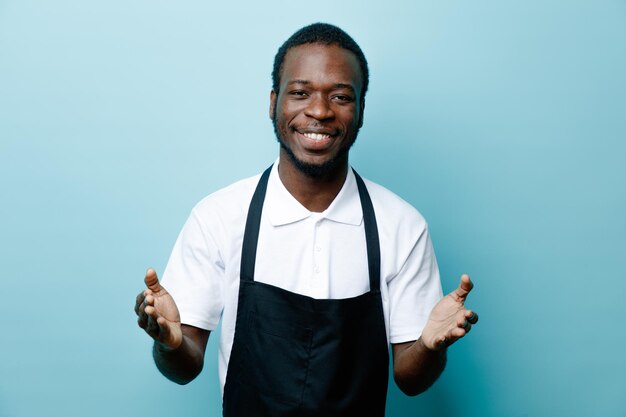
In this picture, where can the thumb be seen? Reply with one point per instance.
(465, 286)
(151, 280)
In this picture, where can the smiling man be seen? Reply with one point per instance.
(312, 270)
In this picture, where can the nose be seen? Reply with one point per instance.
(319, 108)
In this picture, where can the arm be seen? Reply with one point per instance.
(415, 367)
(184, 364)
(418, 364)
(178, 349)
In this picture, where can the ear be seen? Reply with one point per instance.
(361, 113)
(273, 98)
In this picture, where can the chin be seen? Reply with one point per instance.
(315, 170)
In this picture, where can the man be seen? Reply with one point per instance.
(312, 270)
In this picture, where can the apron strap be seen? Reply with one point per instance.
(371, 234)
(251, 233)
(253, 223)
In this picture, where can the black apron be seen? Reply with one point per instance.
(296, 356)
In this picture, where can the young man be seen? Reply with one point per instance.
(312, 270)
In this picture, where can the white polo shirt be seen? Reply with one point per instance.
(320, 255)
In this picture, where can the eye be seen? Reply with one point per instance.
(343, 98)
(298, 93)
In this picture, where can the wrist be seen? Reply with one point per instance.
(421, 345)
(161, 347)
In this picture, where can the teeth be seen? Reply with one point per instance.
(316, 136)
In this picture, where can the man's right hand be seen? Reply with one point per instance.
(157, 313)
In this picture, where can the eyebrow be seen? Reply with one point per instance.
(298, 82)
(347, 86)
(337, 85)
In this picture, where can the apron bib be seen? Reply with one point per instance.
(296, 356)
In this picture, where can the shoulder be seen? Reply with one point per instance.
(228, 203)
(393, 211)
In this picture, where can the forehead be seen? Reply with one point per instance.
(319, 63)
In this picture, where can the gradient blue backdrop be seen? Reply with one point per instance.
(503, 122)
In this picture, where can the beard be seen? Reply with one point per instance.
(316, 170)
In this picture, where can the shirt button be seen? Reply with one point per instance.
(317, 269)
(318, 249)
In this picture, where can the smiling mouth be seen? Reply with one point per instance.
(316, 136)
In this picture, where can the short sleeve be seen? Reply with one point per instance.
(414, 291)
(194, 275)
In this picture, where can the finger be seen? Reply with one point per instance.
(149, 301)
(458, 333)
(463, 324)
(461, 321)
(138, 302)
(142, 317)
(151, 280)
(151, 311)
(471, 317)
(465, 286)
(142, 321)
(152, 327)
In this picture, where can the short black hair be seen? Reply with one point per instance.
(326, 34)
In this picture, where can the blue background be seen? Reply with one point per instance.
(503, 122)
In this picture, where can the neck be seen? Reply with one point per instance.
(314, 193)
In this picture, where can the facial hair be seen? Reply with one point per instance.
(315, 170)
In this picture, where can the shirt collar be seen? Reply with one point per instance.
(282, 208)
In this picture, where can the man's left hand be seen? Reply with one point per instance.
(450, 320)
